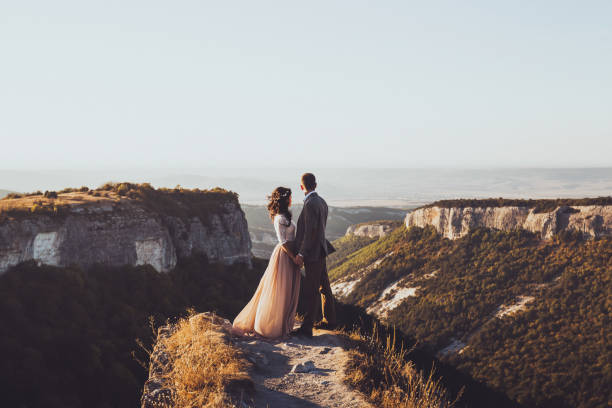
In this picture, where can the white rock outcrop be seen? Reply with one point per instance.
(391, 298)
(455, 222)
(520, 304)
(155, 252)
(372, 229)
(45, 248)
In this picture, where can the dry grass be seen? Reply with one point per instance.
(381, 371)
(206, 370)
(39, 204)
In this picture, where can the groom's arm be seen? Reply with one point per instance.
(308, 231)
(289, 248)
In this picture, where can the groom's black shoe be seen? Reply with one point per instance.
(323, 325)
(302, 332)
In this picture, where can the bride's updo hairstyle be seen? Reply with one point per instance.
(278, 202)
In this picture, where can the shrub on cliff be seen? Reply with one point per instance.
(12, 196)
(82, 189)
(122, 189)
(40, 207)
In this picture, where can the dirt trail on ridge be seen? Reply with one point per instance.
(318, 377)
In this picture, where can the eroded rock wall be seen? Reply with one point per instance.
(454, 222)
(124, 234)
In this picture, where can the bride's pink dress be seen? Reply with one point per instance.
(271, 311)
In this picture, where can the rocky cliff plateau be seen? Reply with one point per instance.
(123, 224)
(455, 221)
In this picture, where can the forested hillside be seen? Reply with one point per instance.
(530, 318)
(345, 248)
(67, 335)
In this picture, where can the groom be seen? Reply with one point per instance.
(312, 249)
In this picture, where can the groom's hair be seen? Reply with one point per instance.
(309, 181)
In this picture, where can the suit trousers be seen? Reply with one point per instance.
(316, 286)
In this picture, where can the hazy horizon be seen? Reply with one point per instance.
(345, 187)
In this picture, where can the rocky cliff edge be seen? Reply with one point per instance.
(123, 224)
(455, 222)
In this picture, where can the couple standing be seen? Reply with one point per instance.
(271, 311)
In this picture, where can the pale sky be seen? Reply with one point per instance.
(191, 84)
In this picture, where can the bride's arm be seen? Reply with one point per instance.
(288, 251)
(280, 235)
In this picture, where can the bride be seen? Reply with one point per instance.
(271, 311)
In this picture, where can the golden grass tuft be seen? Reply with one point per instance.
(206, 369)
(381, 371)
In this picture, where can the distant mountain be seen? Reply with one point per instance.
(3, 193)
(526, 316)
(343, 187)
(264, 239)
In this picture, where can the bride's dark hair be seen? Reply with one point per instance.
(278, 202)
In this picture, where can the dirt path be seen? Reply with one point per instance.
(315, 384)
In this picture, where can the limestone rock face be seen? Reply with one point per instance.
(123, 233)
(372, 230)
(590, 220)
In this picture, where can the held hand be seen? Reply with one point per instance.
(299, 260)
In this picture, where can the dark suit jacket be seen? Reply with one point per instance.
(310, 236)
